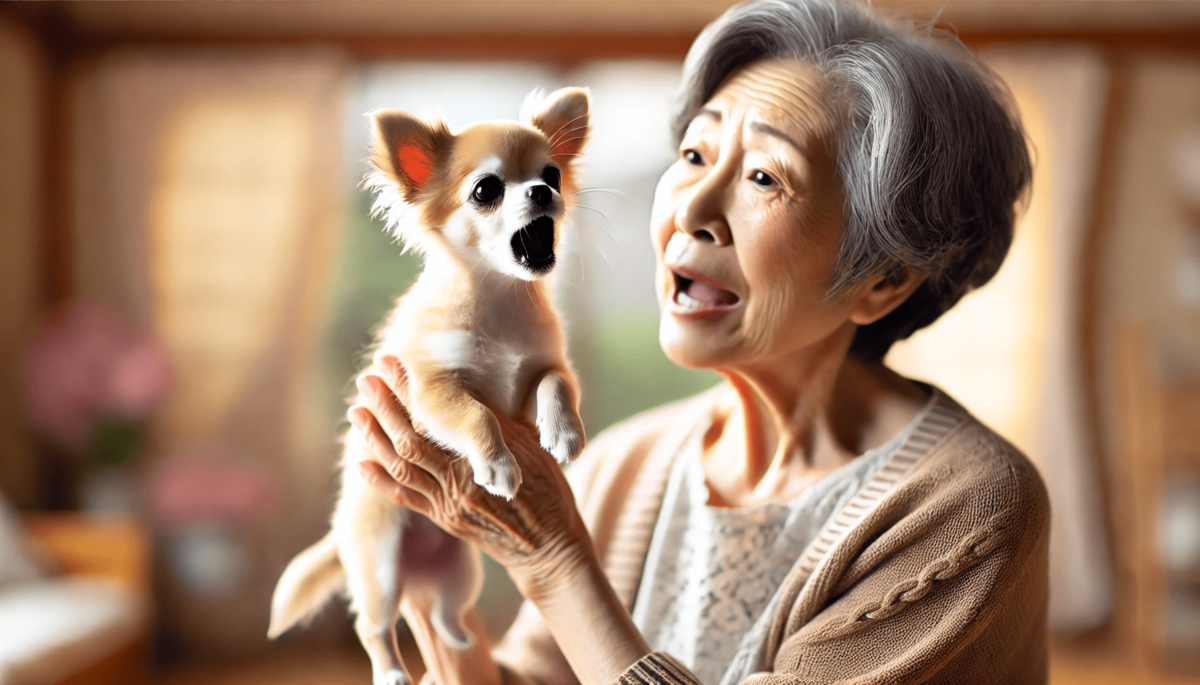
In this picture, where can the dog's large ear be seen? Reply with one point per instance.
(563, 116)
(410, 150)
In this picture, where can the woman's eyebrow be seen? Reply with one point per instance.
(710, 113)
(760, 127)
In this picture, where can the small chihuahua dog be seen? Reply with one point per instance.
(476, 333)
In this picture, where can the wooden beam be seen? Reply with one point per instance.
(1104, 466)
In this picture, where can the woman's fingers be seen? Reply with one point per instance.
(395, 376)
(406, 444)
(379, 478)
(402, 471)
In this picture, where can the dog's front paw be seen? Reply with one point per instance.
(562, 436)
(499, 474)
(391, 677)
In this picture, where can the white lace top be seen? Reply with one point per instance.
(712, 574)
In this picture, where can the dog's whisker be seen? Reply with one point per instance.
(611, 235)
(564, 145)
(610, 191)
(560, 128)
(599, 249)
(557, 138)
(566, 140)
(529, 292)
(482, 255)
(563, 141)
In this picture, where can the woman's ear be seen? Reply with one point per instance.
(879, 294)
(409, 149)
(562, 116)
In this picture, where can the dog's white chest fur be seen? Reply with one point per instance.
(498, 341)
(498, 370)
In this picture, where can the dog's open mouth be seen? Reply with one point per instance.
(533, 245)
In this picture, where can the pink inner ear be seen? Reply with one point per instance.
(415, 165)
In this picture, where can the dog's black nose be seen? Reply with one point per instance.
(540, 195)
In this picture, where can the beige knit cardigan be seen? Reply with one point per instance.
(935, 572)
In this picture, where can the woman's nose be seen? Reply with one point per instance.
(702, 214)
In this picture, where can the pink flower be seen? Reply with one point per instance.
(86, 364)
(139, 378)
(206, 485)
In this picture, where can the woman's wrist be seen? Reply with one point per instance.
(590, 624)
(557, 567)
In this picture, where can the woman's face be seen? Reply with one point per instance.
(746, 223)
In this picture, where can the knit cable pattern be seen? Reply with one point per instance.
(968, 552)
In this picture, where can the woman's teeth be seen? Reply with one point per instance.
(689, 305)
(697, 295)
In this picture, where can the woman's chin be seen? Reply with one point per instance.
(690, 348)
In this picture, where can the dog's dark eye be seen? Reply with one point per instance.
(552, 176)
(488, 190)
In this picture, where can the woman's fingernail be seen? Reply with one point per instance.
(367, 388)
(365, 471)
(356, 418)
(391, 365)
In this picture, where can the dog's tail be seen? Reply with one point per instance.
(306, 584)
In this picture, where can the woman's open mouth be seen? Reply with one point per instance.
(696, 295)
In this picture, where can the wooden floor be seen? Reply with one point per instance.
(351, 668)
(341, 667)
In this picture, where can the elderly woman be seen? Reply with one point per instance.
(841, 182)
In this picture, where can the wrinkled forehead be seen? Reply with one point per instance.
(521, 152)
(790, 95)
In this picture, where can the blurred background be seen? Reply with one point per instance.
(189, 276)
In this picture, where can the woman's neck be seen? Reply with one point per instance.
(791, 422)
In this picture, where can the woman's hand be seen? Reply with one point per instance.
(538, 537)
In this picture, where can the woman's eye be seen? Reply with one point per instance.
(693, 157)
(552, 176)
(762, 179)
(488, 190)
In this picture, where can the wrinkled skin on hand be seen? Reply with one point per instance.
(538, 537)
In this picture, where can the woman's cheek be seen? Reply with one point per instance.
(776, 271)
(662, 211)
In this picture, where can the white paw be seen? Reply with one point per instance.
(392, 677)
(499, 474)
(562, 436)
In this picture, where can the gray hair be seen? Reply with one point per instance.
(932, 157)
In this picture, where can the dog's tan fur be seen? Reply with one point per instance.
(477, 333)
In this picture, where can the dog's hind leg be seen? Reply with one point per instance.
(457, 592)
(370, 531)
